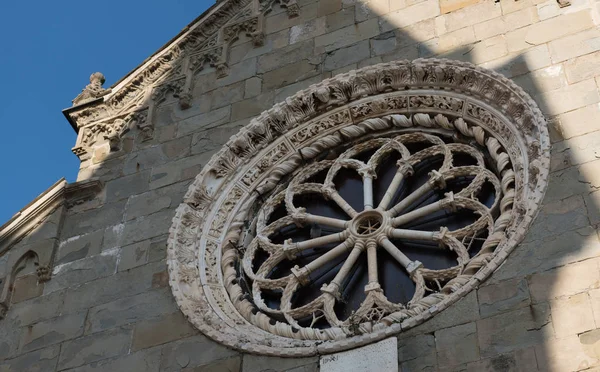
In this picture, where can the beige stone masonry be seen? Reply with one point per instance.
(548, 30)
(581, 121)
(575, 45)
(572, 315)
(413, 14)
(447, 6)
(509, 22)
(569, 98)
(467, 17)
(566, 280)
(584, 67)
(347, 36)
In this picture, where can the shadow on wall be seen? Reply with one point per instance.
(539, 311)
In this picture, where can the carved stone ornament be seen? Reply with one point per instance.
(227, 244)
(207, 42)
(93, 90)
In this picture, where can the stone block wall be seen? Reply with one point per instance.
(108, 306)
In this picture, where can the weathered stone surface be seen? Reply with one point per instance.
(465, 310)
(211, 140)
(252, 106)
(184, 353)
(93, 348)
(144, 159)
(577, 150)
(154, 201)
(418, 12)
(568, 354)
(383, 44)
(347, 36)
(467, 17)
(79, 246)
(89, 221)
(124, 187)
(227, 365)
(129, 310)
(286, 56)
(380, 356)
(340, 19)
(9, 337)
(580, 121)
(281, 21)
(417, 352)
(457, 345)
(252, 87)
(507, 295)
(146, 361)
(558, 217)
(565, 281)
(447, 6)
(52, 331)
(569, 98)
(205, 121)
(519, 360)
(257, 363)
(487, 50)
(308, 30)
(525, 61)
(25, 288)
(81, 271)
(289, 90)
(548, 30)
(156, 332)
(133, 255)
(36, 309)
(36, 361)
(572, 315)
(543, 80)
(286, 75)
(514, 330)
(120, 285)
(418, 32)
(346, 56)
(575, 45)
(501, 25)
(509, 6)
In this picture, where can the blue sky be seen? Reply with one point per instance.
(48, 51)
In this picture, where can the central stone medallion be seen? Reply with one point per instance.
(368, 223)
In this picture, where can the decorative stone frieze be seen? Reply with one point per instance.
(101, 113)
(228, 214)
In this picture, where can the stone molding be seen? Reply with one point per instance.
(103, 115)
(61, 194)
(207, 237)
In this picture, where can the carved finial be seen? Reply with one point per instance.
(93, 90)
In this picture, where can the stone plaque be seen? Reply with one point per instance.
(381, 356)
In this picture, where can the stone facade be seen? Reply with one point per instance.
(108, 306)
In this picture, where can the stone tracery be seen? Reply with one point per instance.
(455, 107)
(376, 226)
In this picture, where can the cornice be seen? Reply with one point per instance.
(104, 115)
(60, 193)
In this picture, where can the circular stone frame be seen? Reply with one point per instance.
(206, 239)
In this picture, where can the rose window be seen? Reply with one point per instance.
(364, 240)
(358, 208)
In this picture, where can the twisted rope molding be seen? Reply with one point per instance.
(210, 229)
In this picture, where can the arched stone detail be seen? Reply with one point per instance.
(209, 234)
